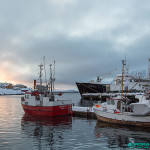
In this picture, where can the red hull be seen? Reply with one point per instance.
(49, 110)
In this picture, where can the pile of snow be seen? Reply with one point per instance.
(82, 109)
(10, 92)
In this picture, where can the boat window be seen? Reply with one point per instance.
(112, 102)
(27, 96)
(123, 102)
(108, 102)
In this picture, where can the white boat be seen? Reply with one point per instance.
(117, 110)
(121, 110)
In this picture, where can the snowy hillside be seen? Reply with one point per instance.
(10, 92)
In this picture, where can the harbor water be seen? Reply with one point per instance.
(19, 131)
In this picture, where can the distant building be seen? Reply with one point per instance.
(15, 87)
(19, 86)
(9, 86)
(6, 85)
(2, 85)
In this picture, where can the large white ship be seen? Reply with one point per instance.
(131, 84)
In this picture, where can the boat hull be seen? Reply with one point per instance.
(91, 88)
(141, 121)
(48, 110)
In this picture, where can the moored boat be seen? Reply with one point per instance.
(42, 101)
(133, 83)
(121, 110)
(92, 87)
(118, 110)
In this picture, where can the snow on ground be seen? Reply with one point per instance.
(10, 92)
(108, 94)
(82, 109)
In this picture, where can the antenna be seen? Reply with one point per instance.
(40, 76)
(128, 67)
(44, 69)
(50, 78)
(123, 64)
(148, 69)
(54, 76)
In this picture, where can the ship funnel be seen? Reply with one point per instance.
(34, 84)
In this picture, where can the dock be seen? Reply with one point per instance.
(103, 96)
(86, 112)
(95, 96)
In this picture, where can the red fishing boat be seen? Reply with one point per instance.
(41, 99)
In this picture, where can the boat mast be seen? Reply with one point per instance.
(52, 79)
(54, 76)
(148, 69)
(40, 76)
(123, 64)
(44, 69)
(51, 84)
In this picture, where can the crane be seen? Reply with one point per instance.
(104, 75)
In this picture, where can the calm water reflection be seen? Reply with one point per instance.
(46, 131)
(120, 136)
(22, 131)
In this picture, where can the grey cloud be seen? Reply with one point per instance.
(85, 38)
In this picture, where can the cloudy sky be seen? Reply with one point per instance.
(86, 38)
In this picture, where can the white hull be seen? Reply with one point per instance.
(122, 118)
